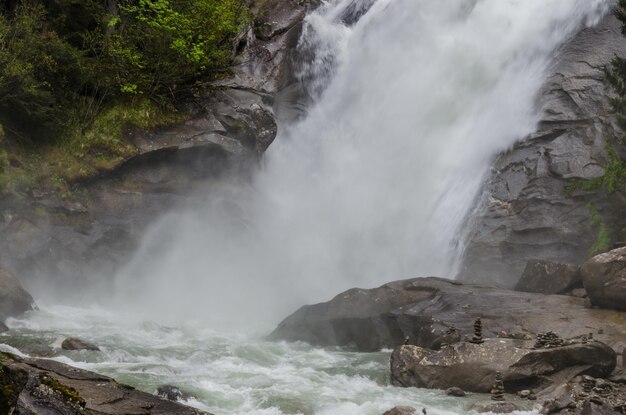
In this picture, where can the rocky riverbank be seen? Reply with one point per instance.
(564, 351)
(39, 386)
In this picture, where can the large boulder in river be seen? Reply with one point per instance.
(604, 277)
(14, 300)
(473, 367)
(74, 343)
(548, 277)
(425, 309)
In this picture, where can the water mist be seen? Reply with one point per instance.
(411, 104)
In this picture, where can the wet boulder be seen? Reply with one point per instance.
(604, 278)
(454, 391)
(547, 277)
(496, 408)
(472, 367)
(401, 410)
(172, 393)
(14, 300)
(74, 343)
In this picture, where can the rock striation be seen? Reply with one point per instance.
(36, 386)
(525, 212)
(424, 309)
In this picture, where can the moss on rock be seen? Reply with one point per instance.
(69, 394)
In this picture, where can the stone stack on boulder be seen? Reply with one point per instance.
(604, 278)
(497, 392)
(477, 338)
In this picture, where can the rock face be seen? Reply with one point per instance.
(547, 277)
(269, 55)
(525, 212)
(14, 299)
(424, 309)
(31, 386)
(74, 343)
(604, 277)
(473, 367)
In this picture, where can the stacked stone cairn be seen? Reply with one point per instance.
(497, 392)
(478, 332)
(548, 340)
(588, 383)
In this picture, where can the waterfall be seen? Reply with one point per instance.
(412, 99)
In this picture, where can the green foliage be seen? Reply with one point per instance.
(161, 46)
(36, 70)
(63, 61)
(603, 240)
(615, 172)
(69, 394)
(613, 180)
(76, 74)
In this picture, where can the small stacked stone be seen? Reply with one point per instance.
(588, 383)
(478, 332)
(548, 340)
(497, 392)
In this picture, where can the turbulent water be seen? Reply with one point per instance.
(411, 101)
(227, 374)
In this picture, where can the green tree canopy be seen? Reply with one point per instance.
(62, 61)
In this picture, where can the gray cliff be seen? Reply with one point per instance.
(525, 211)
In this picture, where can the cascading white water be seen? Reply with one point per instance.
(412, 102)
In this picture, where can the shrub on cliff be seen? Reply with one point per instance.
(63, 61)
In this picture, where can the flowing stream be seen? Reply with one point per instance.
(412, 99)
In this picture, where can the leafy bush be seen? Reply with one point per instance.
(603, 240)
(36, 69)
(161, 46)
(64, 61)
